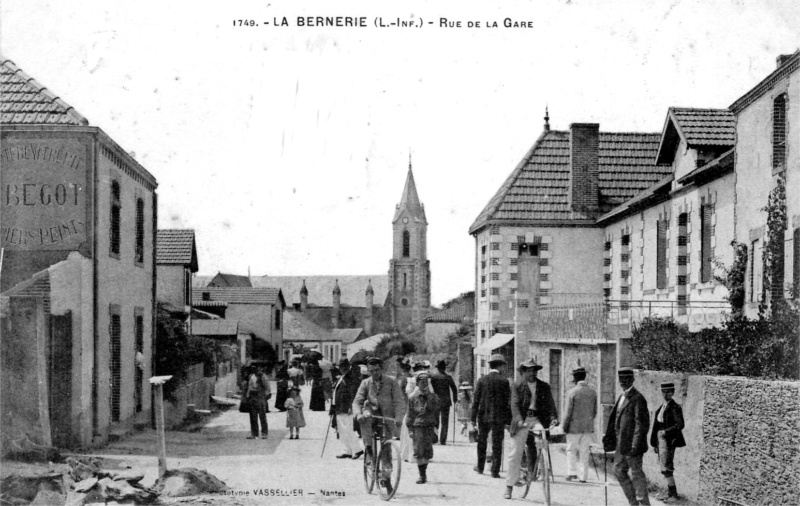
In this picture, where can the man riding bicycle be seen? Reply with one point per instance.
(378, 395)
(531, 403)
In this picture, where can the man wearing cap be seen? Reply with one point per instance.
(492, 412)
(377, 395)
(423, 410)
(444, 386)
(531, 404)
(666, 436)
(342, 408)
(626, 436)
(578, 425)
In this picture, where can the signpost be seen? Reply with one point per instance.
(158, 385)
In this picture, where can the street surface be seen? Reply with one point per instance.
(283, 471)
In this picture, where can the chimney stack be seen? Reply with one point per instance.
(584, 140)
(783, 58)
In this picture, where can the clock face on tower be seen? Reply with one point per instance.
(405, 220)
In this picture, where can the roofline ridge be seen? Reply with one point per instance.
(715, 109)
(510, 180)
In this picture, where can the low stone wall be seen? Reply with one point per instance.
(752, 441)
(742, 438)
(197, 392)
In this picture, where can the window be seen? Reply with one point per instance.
(513, 261)
(116, 210)
(513, 246)
(138, 325)
(483, 264)
(494, 306)
(115, 365)
(755, 271)
(607, 246)
(626, 240)
(544, 277)
(187, 287)
(277, 319)
(523, 303)
(483, 250)
(406, 243)
(483, 293)
(495, 276)
(139, 251)
(495, 291)
(495, 261)
(706, 253)
(779, 132)
(544, 262)
(520, 239)
(606, 262)
(661, 254)
(483, 280)
(405, 281)
(544, 246)
(495, 246)
(495, 229)
(513, 276)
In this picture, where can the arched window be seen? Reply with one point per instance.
(779, 131)
(406, 243)
(116, 211)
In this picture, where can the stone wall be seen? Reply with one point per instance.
(742, 438)
(752, 441)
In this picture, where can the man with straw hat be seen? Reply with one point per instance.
(626, 436)
(492, 412)
(531, 404)
(666, 436)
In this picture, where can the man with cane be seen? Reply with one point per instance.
(341, 411)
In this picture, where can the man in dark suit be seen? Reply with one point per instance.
(626, 436)
(443, 385)
(491, 410)
(666, 436)
(342, 408)
(531, 404)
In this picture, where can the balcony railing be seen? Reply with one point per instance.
(697, 313)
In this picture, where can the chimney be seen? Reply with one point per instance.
(337, 297)
(303, 297)
(783, 58)
(584, 166)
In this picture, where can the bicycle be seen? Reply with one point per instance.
(386, 468)
(542, 467)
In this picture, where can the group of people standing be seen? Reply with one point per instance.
(528, 403)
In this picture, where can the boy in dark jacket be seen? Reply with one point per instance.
(421, 418)
(666, 436)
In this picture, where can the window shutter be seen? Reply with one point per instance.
(661, 254)
(705, 246)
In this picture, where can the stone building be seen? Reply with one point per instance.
(259, 310)
(78, 229)
(539, 246)
(768, 154)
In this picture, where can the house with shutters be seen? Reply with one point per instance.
(78, 232)
(767, 157)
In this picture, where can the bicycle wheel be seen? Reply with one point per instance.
(526, 474)
(544, 465)
(388, 469)
(369, 470)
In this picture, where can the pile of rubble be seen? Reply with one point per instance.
(79, 481)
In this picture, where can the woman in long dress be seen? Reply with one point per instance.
(317, 393)
(282, 385)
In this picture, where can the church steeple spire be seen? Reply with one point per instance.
(410, 202)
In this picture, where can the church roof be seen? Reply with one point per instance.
(230, 280)
(230, 295)
(410, 202)
(348, 336)
(26, 102)
(538, 189)
(320, 288)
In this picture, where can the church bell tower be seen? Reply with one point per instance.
(409, 268)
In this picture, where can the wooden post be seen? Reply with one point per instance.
(158, 384)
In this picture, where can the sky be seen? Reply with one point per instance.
(286, 148)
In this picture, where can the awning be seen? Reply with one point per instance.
(494, 342)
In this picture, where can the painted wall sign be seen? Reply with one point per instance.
(43, 194)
